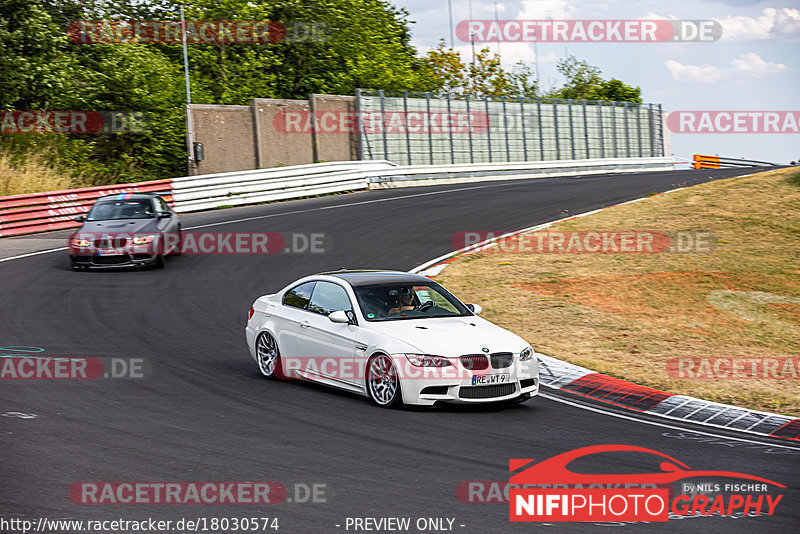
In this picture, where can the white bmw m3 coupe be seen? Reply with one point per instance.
(392, 336)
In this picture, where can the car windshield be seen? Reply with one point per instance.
(390, 302)
(121, 209)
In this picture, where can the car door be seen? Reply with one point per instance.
(288, 317)
(327, 348)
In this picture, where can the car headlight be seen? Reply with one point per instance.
(526, 354)
(143, 239)
(428, 360)
(81, 243)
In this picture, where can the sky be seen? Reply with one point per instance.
(753, 67)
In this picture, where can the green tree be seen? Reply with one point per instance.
(585, 83)
(524, 81)
(486, 77)
(367, 45)
(34, 70)
(581, 78)
(331, 46)
(448, 71)
(614, 90)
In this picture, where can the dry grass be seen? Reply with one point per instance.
(32, 175)
(627, 314)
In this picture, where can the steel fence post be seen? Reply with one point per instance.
(383, 125)
(638, 108)
(571, 130)
(541, 130)
(405, 123)
(428, 124)
(450, 130)
(627, 131)
(505, 127)
(651, 130)
(522, 127)
(555, 127)
(600, 118)
(586, 129)
(469, 123)
(360, 142)
(614, 128)
(488, 129)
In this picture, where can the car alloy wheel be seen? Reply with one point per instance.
(383, 384)
(268, 356)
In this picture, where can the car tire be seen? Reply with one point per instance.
(383, 382)
(268, 356)
(178, 250)
(160, 262)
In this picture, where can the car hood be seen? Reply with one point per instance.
(451, 336)
(127, 226)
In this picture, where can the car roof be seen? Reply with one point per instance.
(367, 278)
(128, 196)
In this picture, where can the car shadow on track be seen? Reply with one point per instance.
(171, 262)
(330, 392)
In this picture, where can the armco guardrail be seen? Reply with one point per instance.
(718, 162)
(418, 175)
(194, 193)
(56, 210)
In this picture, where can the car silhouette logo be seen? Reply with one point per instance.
(554, 470)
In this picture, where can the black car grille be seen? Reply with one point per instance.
(110, 260)
(111, 242)
(526, 383)
(435, 390)
(479, 362)
(486, 392)
(475, 362)
(501, 360)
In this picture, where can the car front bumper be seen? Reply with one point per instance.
(523, 380)
(110, 262)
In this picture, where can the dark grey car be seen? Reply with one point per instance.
(125, 230)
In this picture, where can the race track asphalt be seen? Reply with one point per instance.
(203, 413)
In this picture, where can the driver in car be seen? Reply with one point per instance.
(406, 301)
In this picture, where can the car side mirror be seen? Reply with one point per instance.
(80, 218)
(339, 317)
(164, 215)
(475, 308)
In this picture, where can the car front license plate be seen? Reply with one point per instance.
(485, 380)
(110, 252)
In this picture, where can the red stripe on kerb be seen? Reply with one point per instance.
(790, 430)
(617, 392)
